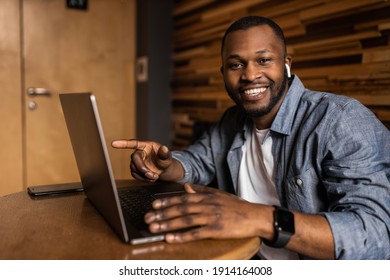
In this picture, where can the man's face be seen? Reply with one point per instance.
(254, 70)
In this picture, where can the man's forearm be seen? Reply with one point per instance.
(313, 237)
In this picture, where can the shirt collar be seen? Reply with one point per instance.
(284, 118)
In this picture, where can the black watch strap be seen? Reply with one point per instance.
(284, 228)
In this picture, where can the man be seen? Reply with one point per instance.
(325, 159)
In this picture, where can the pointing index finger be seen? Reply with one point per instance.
(125, 144)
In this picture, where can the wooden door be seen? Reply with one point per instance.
(66, 50)
(11, 148)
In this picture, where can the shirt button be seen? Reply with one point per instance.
(299, 182)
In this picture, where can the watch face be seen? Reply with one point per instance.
(285, 220)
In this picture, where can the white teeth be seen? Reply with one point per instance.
(255, 91)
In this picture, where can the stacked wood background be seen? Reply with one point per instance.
(337, 46)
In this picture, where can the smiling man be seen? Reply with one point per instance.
(254, 71)
(308, 172)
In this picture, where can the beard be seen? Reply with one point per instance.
(260, 112)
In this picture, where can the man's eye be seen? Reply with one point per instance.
(236, 65)
(264, 60)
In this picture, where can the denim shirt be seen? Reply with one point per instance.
(332, 157)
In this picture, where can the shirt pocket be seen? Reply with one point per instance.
(305, 192)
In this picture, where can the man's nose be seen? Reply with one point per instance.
(252, 72)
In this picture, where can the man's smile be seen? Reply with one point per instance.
(254, 92)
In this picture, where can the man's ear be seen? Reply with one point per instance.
(221, 69)
(287, 63)
(288, 60)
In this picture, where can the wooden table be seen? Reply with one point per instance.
(69, 228)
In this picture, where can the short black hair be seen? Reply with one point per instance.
(251, 21)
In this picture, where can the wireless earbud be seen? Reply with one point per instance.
(288, 71)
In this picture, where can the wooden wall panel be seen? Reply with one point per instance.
(339, 46)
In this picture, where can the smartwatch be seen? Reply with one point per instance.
(284, 227)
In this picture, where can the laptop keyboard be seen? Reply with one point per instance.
(135, 204)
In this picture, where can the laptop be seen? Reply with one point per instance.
(122, 203)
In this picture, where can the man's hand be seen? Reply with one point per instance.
(150, 161)
(208, 213)
(214, 214)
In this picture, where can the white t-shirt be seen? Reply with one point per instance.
(256, 181)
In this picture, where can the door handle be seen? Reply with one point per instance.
(38, 91)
